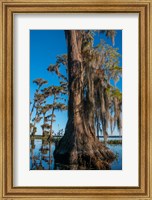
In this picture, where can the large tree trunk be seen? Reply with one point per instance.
(79, 148)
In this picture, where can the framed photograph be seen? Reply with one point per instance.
(75, 99)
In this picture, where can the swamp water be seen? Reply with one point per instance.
(41, 155)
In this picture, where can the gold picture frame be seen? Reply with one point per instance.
(7, 10)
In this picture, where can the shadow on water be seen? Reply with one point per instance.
(41, 156)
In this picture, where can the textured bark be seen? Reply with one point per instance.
(79, 148)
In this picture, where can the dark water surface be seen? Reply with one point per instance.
(41, 155)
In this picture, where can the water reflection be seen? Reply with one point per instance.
(41, 156)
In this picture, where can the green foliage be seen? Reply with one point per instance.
(101, 64)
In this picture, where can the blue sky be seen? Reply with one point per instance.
(45, 45)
